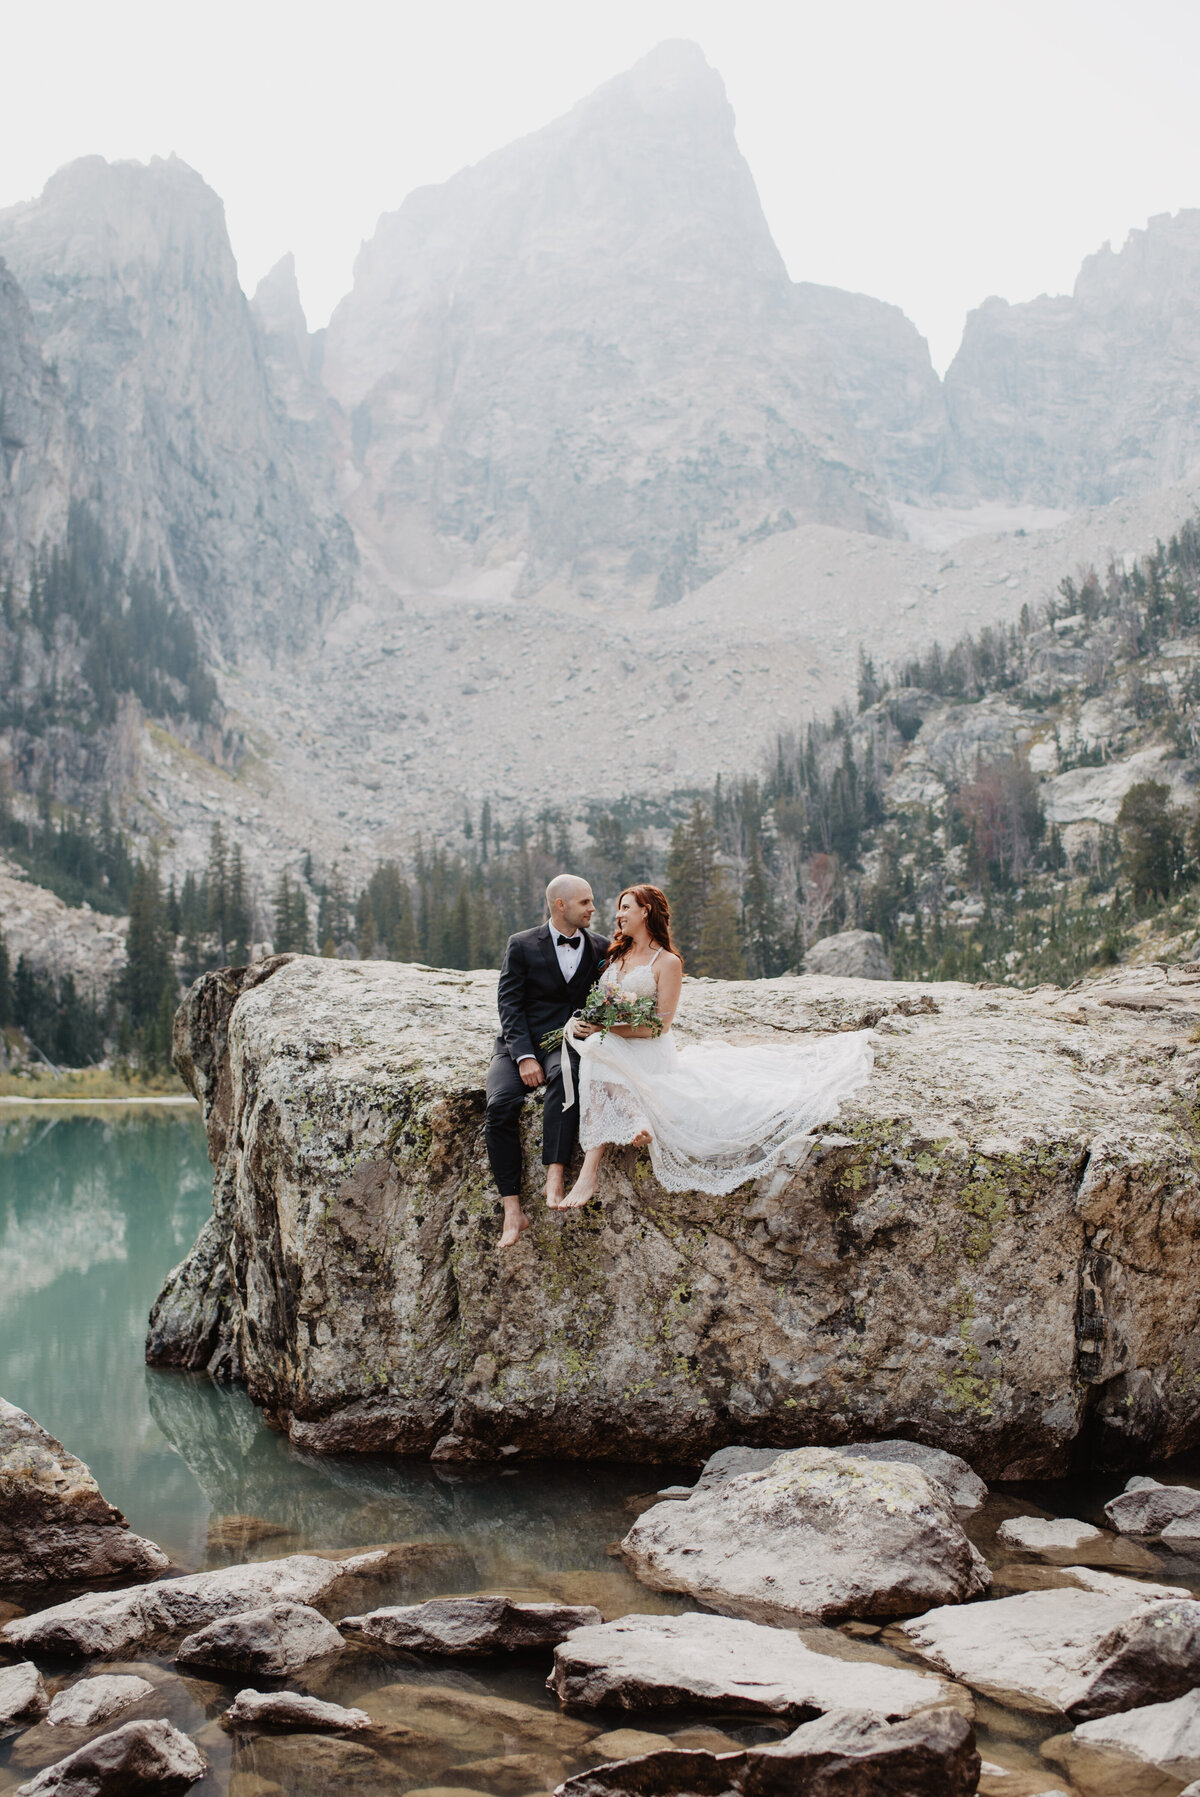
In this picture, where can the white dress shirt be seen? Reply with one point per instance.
(568, 960)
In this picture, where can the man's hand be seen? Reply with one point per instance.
(580, 1029)
(531, 1072)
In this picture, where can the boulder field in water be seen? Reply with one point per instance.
(994, 1250)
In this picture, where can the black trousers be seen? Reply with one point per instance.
(506, 1094)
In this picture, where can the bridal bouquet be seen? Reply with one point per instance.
(607, 1008)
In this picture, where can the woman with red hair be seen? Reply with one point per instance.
(713, 1114)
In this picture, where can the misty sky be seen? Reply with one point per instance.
(929, 153)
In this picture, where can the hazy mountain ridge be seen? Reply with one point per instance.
(177, 440)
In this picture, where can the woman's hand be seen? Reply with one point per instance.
(579, 1029)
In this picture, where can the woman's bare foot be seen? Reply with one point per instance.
(515, 1223)
(582, 1192)
(642, 1139)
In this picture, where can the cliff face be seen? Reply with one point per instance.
(1077, 401)
(993, 1250)
(179, 442)
(586, 352)
(35, 455)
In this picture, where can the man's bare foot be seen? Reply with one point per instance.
(555, 1186)
(642, 1139)
(515, 1223)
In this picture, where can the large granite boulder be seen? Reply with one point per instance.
(719, 1663)
(94, 1700)
(973, 1257)
(1125, 1752)
(815, 1533)
(1146, 1507)
(850, 955)
(56, 1527)
(965, 1489)
(112, 1622)
(23, 1695)
(273, 1641)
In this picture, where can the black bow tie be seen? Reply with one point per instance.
(568, 942)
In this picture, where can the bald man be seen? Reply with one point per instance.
(547, 974)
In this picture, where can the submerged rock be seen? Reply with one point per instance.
(815, 1533)
(932, 1755)
(109, 1622)
(1147, 1508)
(471, 1625)
(1048, 1534)
(138, 1757)
(271, 1642)
(349, 1271)
(1084, 1653)
(657, 1662)
(55, 1525)
(23, 1695)
(1114, 1753)
(95, 1700)
(252, 1710)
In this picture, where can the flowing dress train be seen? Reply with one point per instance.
(718, 1113)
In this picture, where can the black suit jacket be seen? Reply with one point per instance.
(533, 997)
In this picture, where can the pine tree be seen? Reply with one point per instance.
(704, 912)
(291, 918)
(239, 919)
(720, 956)
(764, 950)
(148, 970)
(218, 891)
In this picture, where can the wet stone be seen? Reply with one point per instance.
(295, 1710)
(1134, 1752)
(94, 1700)
(137, 1757)
(1146, 1508)
(655, 1662)
(272, 1642)
(22, 1694)
(1040, 1534)
(471, 1625)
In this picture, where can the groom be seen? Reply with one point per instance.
(547, 974)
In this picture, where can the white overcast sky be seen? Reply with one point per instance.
(929, 152)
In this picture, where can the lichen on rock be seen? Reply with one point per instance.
(993, 1250)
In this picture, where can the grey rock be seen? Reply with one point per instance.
(815, 1533)
(1072, 399)
(809, 1315)
(176, 436)
(1182, 1535)
(55, 1525)
(22, 1693)
(471, 1625)
(731, 1463)
(1084, 1653)
(110, 1622)
(98, 1699)
(254, 1710)
(965, 1489)
(1148, 1508)
(1047, 1534)
(655, 1662)
(36, 475)
(151, 1757)
(850, 1755)
(1094, 1578)
(1115, 1752)
(271, 1642)
(850, 955)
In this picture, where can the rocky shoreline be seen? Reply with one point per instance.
(992, 1251)
(259, 1677)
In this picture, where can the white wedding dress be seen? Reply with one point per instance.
(718, 1113)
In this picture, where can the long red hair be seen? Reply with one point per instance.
(653, 901)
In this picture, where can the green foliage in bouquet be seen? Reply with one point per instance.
(607, 1008)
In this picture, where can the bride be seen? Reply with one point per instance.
(713, 1114)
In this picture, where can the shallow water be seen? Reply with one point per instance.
(94, 1210)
